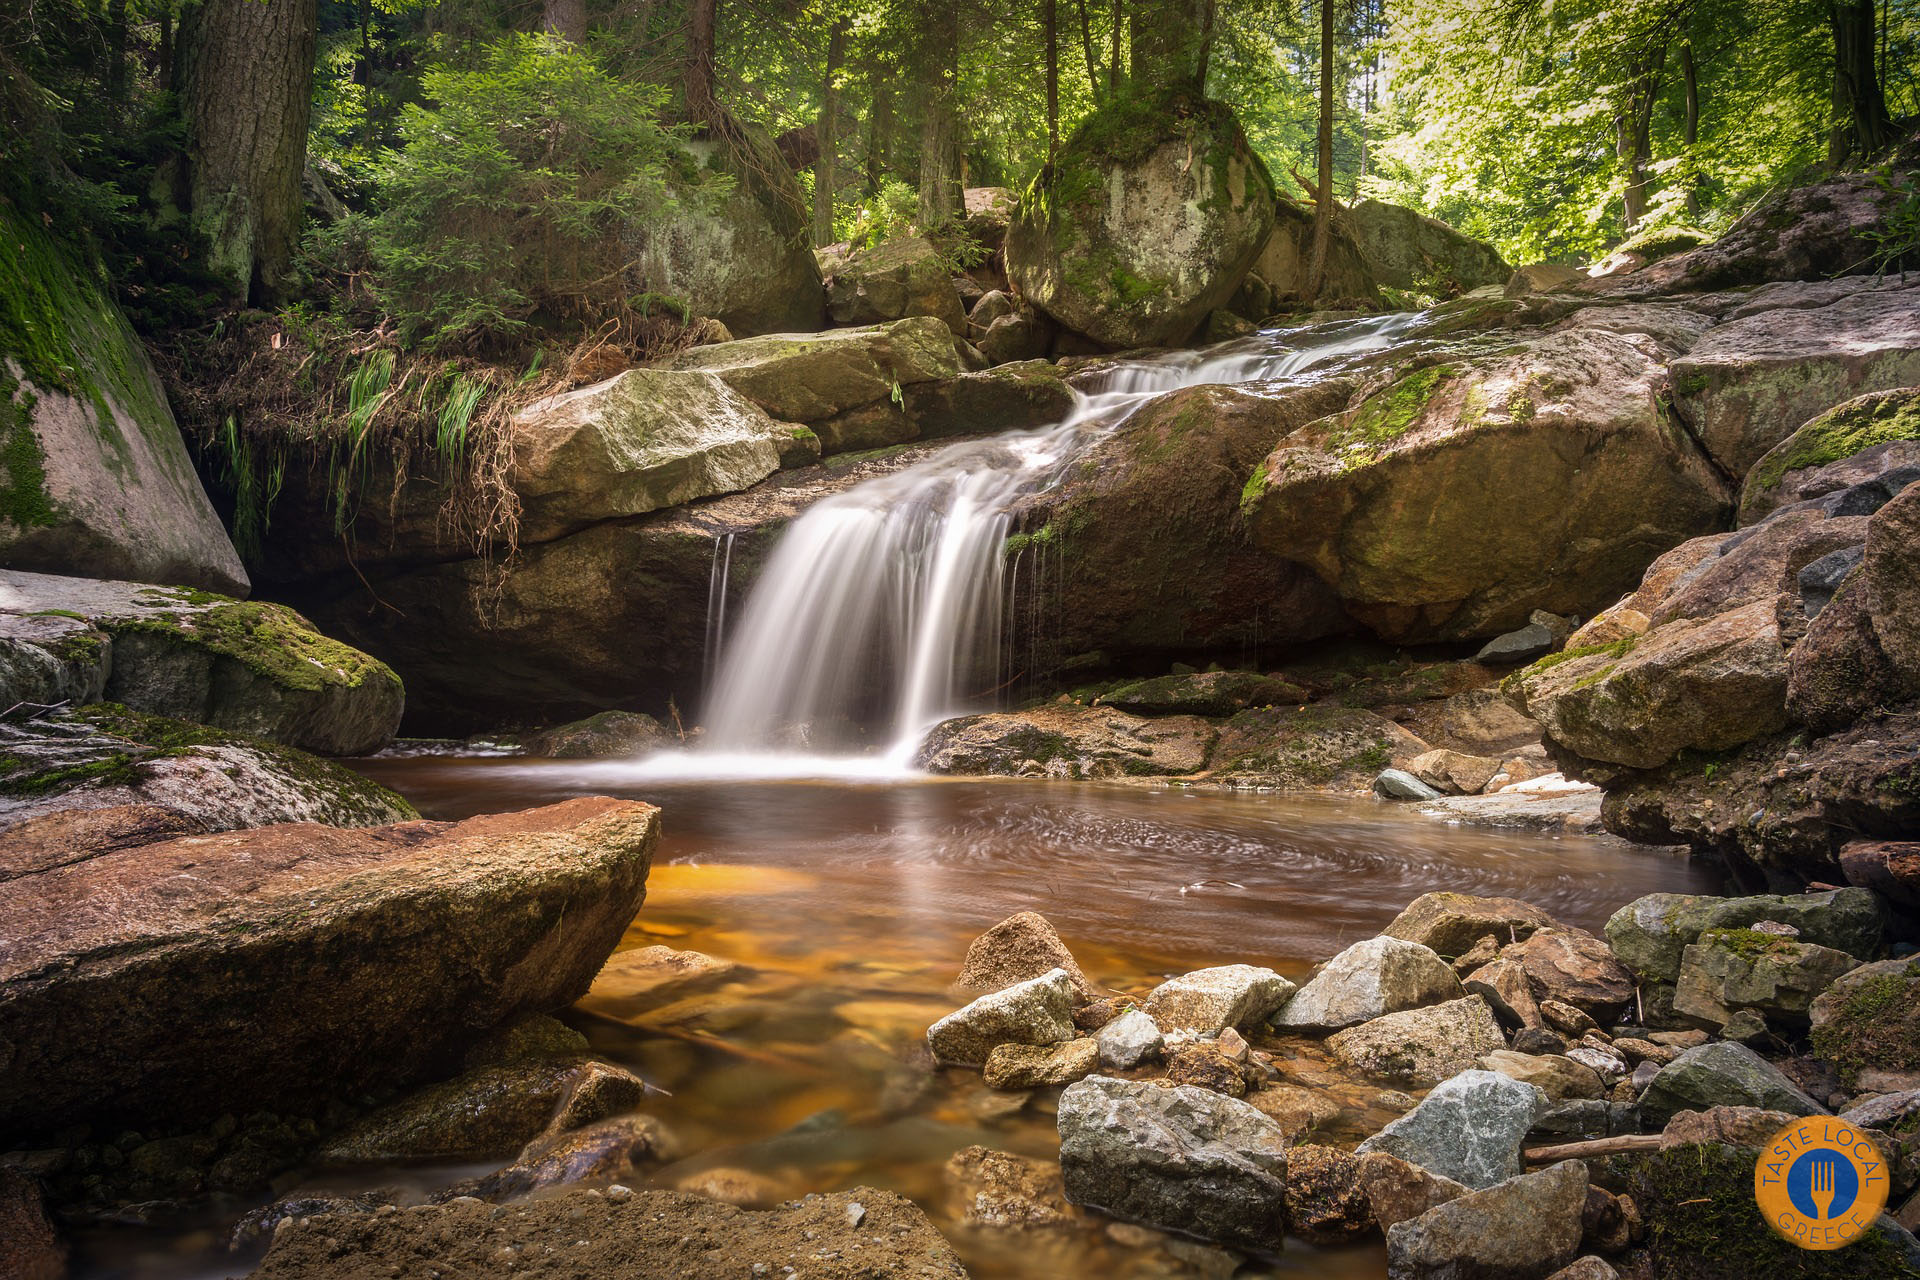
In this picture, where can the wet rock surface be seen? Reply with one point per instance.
(1468, 1129)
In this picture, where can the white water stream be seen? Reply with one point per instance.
(883, 606)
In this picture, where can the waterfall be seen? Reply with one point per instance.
(883, 606)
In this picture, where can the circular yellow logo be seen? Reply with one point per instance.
(1821, 1182)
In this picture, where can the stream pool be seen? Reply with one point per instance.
(851, 905)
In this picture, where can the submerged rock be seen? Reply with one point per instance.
(1003, 1190)
(178, 977)
(1468, 1129)
(1526, 1226)
(1326, 1199)
(1183, 1159)
(1369, 979)
(1038, 1011)
(1317, 747)
(247, 667)
(846, 1235)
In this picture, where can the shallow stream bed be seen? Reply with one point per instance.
(851, 905)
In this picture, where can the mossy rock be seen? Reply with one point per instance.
(253, 668)
(1315, 747)
(1878, 418)
(1145, 222)
(1870, 1019)
(94, 476)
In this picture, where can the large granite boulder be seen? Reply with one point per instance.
(1722, 1074)
(1869, 1021)
(1733, 970)
(1208, 1001)
(1450, 923)
(841, 383)
(1311, 748)
(860, 1234)
(900, 277)
(94, 477)
(1461, 492)
(1650, 935)
(72, 778)
(1181, 1158)
(1145, 222)
(1074, 742)
(642, 440)
(254, 969)
(746, 259)
(1862, 651)
(1526, 1226)
(1285, 263)
(248, 667)
(1753, 380)
(1421, 1046)
(1408, 250)
(1038, 1011)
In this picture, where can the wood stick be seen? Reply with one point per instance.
(1594, 1147)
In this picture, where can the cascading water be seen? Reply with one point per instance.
(883, 605)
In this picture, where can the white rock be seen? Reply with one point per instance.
(1211, 1000)
(1368, 980)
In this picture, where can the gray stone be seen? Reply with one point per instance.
(1884, 1111)
(1591, 1267)
(1468, 1129)
(1211, 1000)
(1421, 1046)
(1183, 1159)
(1035, 1012)
(1525, 1227)
(1368, 980)
(1819, 580)
(1719, 1075)
(1727, 971)
(1521, 645)
(1398, 784)
(1451, 923)
(1129, 1040)
(1650, 934)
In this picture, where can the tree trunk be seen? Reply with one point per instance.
(249, 92)
(1690, 125)
(1323, 198)
(940, 196)
(566, 19)
(1086, 47)
(1633, 137)
(117, 51)
(1051, 17)
(879, 136)
(1861, 126)
(1171, 43)
(824, 169)
(1114, 71)
(696, 75)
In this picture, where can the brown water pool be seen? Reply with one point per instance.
(851, 906)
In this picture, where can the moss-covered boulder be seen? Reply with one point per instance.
(900, 277)
(747, 258)
(1462, 490)
(846, 384)
(258, 669)
(1868, 437)
(1203, 693)
(271, 968)
(1753, 380)
(642, 440)
(1009, 397)
(1146, 221)
(600, 737)
(1408, 250)
(1067, 741)
(94, 477)
(1869, 1020)
(56, 769)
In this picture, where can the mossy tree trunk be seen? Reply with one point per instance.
(940, 195)
(565, 18)
(249, 92)
(1172, 40)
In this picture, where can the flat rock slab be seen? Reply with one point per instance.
(862, 1234)
(223, 973)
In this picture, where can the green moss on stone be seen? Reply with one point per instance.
(1387, 415)
(24, 500)
(1842, 432)
(1878, 1025)
(269, 639)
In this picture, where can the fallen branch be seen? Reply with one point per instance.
(1594, 1147)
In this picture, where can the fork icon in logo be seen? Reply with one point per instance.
(1820, 1187)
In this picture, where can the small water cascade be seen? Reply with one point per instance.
(717, 602)
(882, 607)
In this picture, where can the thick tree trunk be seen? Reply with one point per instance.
(1861, 125)
(879, 137)
(1323, 199)
(1171, 43)
(696, 76)
(940, 197)
(1051, 17)
(566, 19)
(825, 168)
(249, 92)
(1633, 138)
(1086, 48)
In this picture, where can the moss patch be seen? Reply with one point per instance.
(1842, 432)
(1878, 1026)
(24, 501)
(268, 639)
(1387, 415)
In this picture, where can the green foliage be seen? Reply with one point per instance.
(886, 213)
(521, 197)
(1896, 242)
